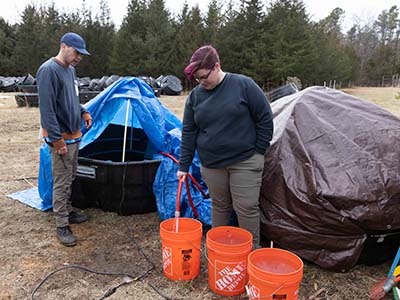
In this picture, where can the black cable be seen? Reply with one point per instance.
(153, 266)
(113, 289)
(158, 292)
(123, 188)
(110, 291)
(81, 268)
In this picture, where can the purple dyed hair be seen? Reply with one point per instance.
(203, 58)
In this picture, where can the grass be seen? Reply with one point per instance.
(384, 97)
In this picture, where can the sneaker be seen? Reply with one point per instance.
(66, 236)
(76, 218)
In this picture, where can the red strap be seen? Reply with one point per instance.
(195, 212)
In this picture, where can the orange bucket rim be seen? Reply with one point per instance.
(251, 266)
(194, 221)
(221, 229)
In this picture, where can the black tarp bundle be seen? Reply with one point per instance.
(332, 176)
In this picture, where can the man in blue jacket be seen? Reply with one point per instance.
(61, 116)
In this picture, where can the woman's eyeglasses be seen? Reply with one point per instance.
(204, 77)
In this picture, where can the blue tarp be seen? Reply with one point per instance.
(161, 127)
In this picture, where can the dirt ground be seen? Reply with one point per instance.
(29, 250)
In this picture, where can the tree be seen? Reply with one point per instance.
(7, 44)
(189, 35)
(335, 61)
(386, 24)
(251, 36)
(376, 46)
(239, 37)
(52, 27)
(387, 29)
(158, 41)
(128, 47)
(289, 43)
(99, 36)
(29, 42)
(213, 22)
(332, 23)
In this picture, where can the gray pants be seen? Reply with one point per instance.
(64, 172)
(238, 187)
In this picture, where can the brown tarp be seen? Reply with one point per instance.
(332, 175)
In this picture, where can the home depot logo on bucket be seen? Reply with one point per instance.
(230, 276)
(227, 251)
(253, 292)
(167, 260)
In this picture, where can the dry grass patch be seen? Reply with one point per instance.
(384, 97)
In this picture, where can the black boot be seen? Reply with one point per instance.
(76, 218)
(66, 236)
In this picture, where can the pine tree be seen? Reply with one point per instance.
(189, 35)
(128, 47)
(158, 41)
(213, 22)
(29, 45)
(384, 60)
(288, 42)
(7, 44)
(51, 33)
(333, 57)
(253, 30)
(99, 36)
(230, 40)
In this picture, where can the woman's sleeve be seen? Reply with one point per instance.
(189, 135)
(262, 115)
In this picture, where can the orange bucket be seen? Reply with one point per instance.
(274, 274)
(228, 248)
(181, 248)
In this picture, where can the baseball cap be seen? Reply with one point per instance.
(75, 41)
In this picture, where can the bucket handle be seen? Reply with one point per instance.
(263, 297)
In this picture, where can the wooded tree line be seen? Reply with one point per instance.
(267, 42)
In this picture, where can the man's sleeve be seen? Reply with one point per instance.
(47, 87)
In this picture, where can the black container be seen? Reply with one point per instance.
(380, 247)
(171, 85)
(104, 181)
(27, 99)
(282, 91)
(28, 88)
(86, 95)
(21, 101)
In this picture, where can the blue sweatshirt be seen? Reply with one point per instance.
(60, 109)
(227, 124)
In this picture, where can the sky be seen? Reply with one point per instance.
(361, 11)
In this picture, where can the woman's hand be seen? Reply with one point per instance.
(181, 175)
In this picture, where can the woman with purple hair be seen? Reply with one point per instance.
(228, 120)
